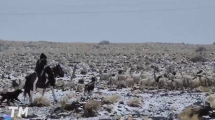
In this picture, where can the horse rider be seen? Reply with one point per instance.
(40, 65)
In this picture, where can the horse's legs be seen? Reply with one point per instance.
(34, 89)
(34, 85)
(31, 96)
(53, 94)
(43, 92)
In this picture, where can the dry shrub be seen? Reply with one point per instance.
(143, 77)
(143, 86)
(146, 118)
(204, 89)
(83, 71)
(92, 105)
(63, 102)
(211, 100)
(108, 108)
(134, 103)
(75, 105)
(66, 99)
(118, 117)
(136, 91)
(71, 85)
(200, 49)
(111, 99)
(60, 83)
(198, 59)
(16, 118)
(41, 102)
(79, 88)
(189, 113)
(90, 108)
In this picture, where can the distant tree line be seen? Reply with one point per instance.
(104, 42)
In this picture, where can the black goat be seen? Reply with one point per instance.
(90, 86)
(120, 71)
(15, 84)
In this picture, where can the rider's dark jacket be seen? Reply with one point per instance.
(40, 64)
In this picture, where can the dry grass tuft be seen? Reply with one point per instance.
(143, 87)
(91, 107)
(134, 103)
(66, 99)
(79, 88)
(190, 113)
(70, 85)
(211, 100)
(41, 102)
(63, 102)
(111, 99)
(60, 84)
(146, 118)
(204, 89)
(15, 117)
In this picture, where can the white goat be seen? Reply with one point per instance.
(137, 77)
(105, 76)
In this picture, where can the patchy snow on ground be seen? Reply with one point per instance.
(153, 103)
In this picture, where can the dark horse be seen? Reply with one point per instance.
(47, 79)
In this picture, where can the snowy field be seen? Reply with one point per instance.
(138, 103)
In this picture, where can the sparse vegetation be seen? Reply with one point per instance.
(104, 42)
(112, 58)
(189, 113)
(81, 81)
(211, 99)
(41, 102)
(83, 71)
(111, 99)
(204, 89)
(198, 59)
(134, 102)
(64, 101)
(60, 84)
(91, 108)
(200, 49)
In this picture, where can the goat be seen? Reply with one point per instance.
(113, 80)
(124, 76)
(16, 85)
(89, 87)
(129, 82)
(137, 77)
(151, 82)
(105, 76)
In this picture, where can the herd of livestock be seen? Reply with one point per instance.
(170, 76)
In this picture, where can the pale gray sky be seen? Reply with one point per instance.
(189, 21)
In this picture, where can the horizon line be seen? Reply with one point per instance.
(103, 40)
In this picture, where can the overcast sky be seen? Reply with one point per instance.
(189, 21)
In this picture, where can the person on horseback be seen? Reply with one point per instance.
(41, 63)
